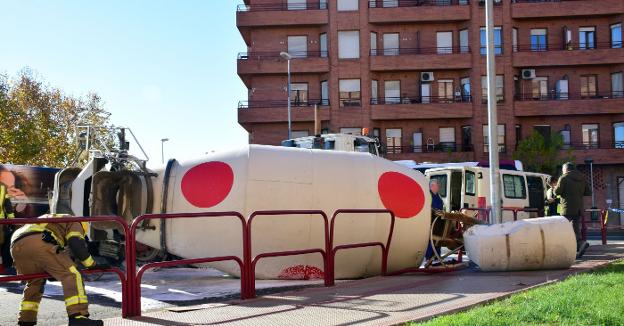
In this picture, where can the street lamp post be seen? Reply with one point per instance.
(590, 161)
(288, 57)
(162, 149)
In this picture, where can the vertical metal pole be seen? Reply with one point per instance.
(289, 122)
(495, 216)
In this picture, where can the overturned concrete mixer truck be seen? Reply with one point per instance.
(252, 178)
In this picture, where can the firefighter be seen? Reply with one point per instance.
(6, 211)
(38, 248)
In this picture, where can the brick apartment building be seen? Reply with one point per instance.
(411, 71)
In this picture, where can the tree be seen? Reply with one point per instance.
(38, 122)
(540, 155)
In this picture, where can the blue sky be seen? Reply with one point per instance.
(166, 69)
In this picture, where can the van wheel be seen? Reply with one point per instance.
(147, 254)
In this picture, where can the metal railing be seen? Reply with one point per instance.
(559, 96)
(567, 46)
(263, 55)
(126, 282)
(385, 248)
(443, 147)
(251, 263)
(283, 6)
(415, 3)
(263, 104)
(515, 210)
(420, 50)
(417, 99)
(593, 145)
(542, 1)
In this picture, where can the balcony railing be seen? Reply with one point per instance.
(542, 1)
(567, 46)
(261, 55)
(420, 99)
(414, 3)
(284, 6)
(443, 147)
(280, 103)
(416, 51)
(558, 96)
(593, 145)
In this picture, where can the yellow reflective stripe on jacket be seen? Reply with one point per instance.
(88, 262)
(29, 305)
(77, 299)
(74, 234)
(79, 283)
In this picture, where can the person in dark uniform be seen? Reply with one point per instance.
(436, 204)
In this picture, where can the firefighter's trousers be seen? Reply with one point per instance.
(32, 255)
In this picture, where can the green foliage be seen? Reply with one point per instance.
(585, 299)
(38, 122)
(540, 155)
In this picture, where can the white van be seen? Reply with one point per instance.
(469, 187)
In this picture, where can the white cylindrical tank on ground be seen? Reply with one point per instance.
(259, 177)
(539, 243)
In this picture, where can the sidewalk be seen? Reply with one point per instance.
(373, 301)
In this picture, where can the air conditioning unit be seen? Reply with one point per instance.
(528, 73)
(426, 76)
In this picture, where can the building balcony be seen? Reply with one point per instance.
(280, 14)
(528, 9)
(600, 152)
(568, 55)
(406, 11)
(267, 111)
(420, 59)
(252, 63)
(440, 152)
(421, 107)
(564, 104)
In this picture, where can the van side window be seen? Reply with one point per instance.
(442, 182)
(470, 186)
(513, 186)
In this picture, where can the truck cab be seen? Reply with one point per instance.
(468, 187)
(337, 142)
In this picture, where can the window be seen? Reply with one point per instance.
(539, 86)
(417, 139)
(323, 44)
(347, 5)
(501, 138)
(616, 36)
(444, 42)
(348, 44)
(500, 89)
(351, 131)
(447, 139)
(297, 5)
(566, 136)
(617, 85)
(373, 41)
(299, 94)
(324, 93)
(298, 46)
(441, 178)
(299, 133)
(618, 134)
(392, 91)
(464, 46)
(467, 138)
(349, 92)
(445, 90)
(471, 183)
(587, 38)
(590, 135)
(393, 141)
(390, 3)
(374, 91)
(588, 86)
(465, 89)
(539, 40)
(514, 39)
(513, 186)
(518, 135)
(498, 41)
(391, 43)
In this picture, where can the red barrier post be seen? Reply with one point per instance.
(483, 214)
(126, 295)
(385, 248)
(134, 277)
(252, 263)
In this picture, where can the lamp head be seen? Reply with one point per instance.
(285, 55)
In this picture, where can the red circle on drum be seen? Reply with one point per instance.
(207, 184)
(400, 194)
